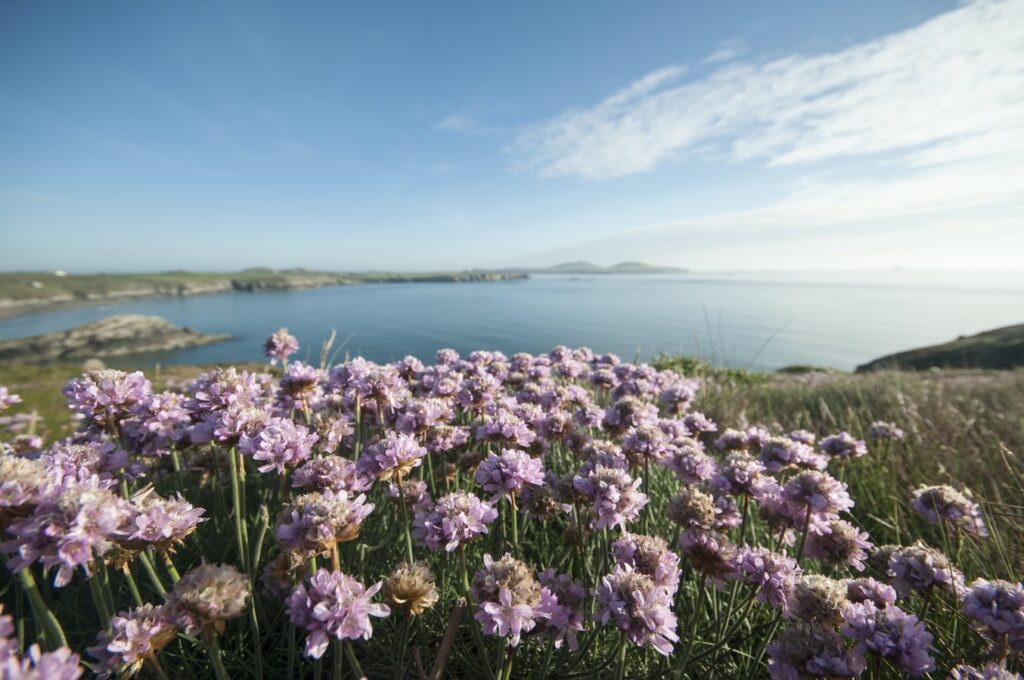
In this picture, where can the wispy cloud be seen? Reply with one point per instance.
(935, 93)
(463, 124)
(727, 51)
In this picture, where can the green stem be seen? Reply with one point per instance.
(132, 585)
(351, 654)
(236, 508)
(100, 601)
(213, 648)
(49, 624)
(405, 520)
(154, 578)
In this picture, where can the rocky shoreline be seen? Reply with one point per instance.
(113, 336)
(32, 293)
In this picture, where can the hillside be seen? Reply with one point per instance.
(999, 348)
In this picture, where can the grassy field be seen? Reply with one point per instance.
(962, 428)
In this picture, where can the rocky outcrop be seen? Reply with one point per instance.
(114, 336)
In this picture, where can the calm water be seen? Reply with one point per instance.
(762, 321)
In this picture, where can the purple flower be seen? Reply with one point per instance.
(803, 651)
(160, 422)
(507, 429)
(699, 424)
(629, 412)
(990, 671)
(689, 462)
(645, 444)
(315, 522)
(773, 574)
(615, 497)
(7, 399)
(635, 605)
(780, 453)
(561, 607)
(803, 436)
(843, 445)
(881, 430)
(869, 590)
(508, 473)
(739, 475)
(710, 554)
(818, 493)
(650, 556)
(300, 388)
(395, 455)
(135, 635)
(60, 664)
(998, 605)
(161, 522)
(732, 440)
(939, 504)
(81, 462)
(69, 530)
(24, 484)
(453, 520)
(333, 606)
(100, 399)
(220, 388)
(507, 597)
(280, 445)
(332, 473)
(839, 543)
(890, 633)
(918, 567)
(279, 346)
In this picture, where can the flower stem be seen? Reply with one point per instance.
(405, 520)
(52, 631)
(236, 509)
(213, 649)
(351, 654)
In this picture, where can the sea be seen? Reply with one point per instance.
(759, 321)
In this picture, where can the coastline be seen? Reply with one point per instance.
(13, 308)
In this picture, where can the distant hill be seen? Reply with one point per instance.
(999, 348)
(582, 267)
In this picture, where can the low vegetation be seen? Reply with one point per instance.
(563, 515)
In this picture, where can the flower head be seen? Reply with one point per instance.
(395, 455)
(773, 574)
(280, 345)
(508, 597)
(315, 522)
(650, 556)
(280, 445)
(844, 446)
(615, 497)
(329, 473)
(410, 588)
(918, 567)
(944, 504)
(207, 597)
(508, 473)
(817, 599)
(803, 651)
(100, 399)
(634, 604)
(333, 606)
(839, 543)
(453, 520)
(135, 636)
(891, 633)
(999, 605)
(561, 607)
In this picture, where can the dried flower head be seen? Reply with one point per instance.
(692, 508)
(817, 599)
(410, 588)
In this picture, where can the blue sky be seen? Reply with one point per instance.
(435, 135)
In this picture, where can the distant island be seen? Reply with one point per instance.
(28, 292)
(1000, 348)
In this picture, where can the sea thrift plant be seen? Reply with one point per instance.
(565, 514)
